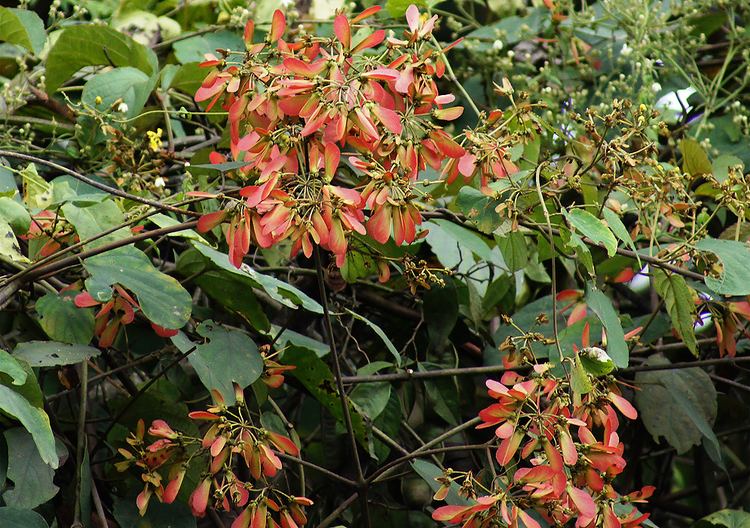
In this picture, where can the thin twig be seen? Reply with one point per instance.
(102, 187)
(340, 386)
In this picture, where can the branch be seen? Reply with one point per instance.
(102, 187)
(409, 374)
(8, 290)
(340, 386)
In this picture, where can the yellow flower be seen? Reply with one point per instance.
(154, 139)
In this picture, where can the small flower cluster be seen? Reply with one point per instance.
(118, 311)
(560, 452)
(299, 108)
(231, 438)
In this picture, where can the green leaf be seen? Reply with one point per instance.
(192, 49)
(15, 215)
(278, 290)
(379, 331)
(721, 165)
(227, 356)
(63, 321)
(92, 45)
(37, 192)
(51, 353)
(679, 405)
(31, 476)
(601, 305)
(442, 394)
(583, 254)
(694, 159)
(726, 519)
(162, 299)
(188, 78)
(290, 337)
(370, 399)
(680, 306)
(618, 228)
(579, 379)
(22, 27)
(397, 8)
(734, 257)
(34, 419)
(515, 251)
(10, 366)
(592, 227)
(512, 29)
(9, 247)
(129, 84)
(452, 243)
(18, 518)
(163, 220)
(94, 219)
(479, 208)
(440, 308)
(235, 295)
(596, 361)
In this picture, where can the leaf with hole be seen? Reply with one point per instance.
(734, 256)
(51, 353)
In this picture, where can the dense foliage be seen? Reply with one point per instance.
(277, 264)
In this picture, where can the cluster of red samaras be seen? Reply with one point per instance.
(301, 110)
(563, 470)
(229, 439)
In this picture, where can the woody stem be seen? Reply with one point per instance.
(361, 482)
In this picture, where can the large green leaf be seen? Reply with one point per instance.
(51, 353)
(63, 321)
(734, 257)
(592, 227)
(9, 247)
(94, 219)
(163, 300)
(31, 476)
(479, 208)
(192, 49)
(511, 29)
(514, 248)
(227, 356)
(18, 518)
(679, 302)
(725, 519)
(601, 305)
(34, 419)
(10, 366)
(694, 159)
(22, 27)
(446, 238)
(15, 214)
(617, 227)
(278, 290)
(679, 405)
(90, 45)
(370, 399)
(130, 85)
(236, 295)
